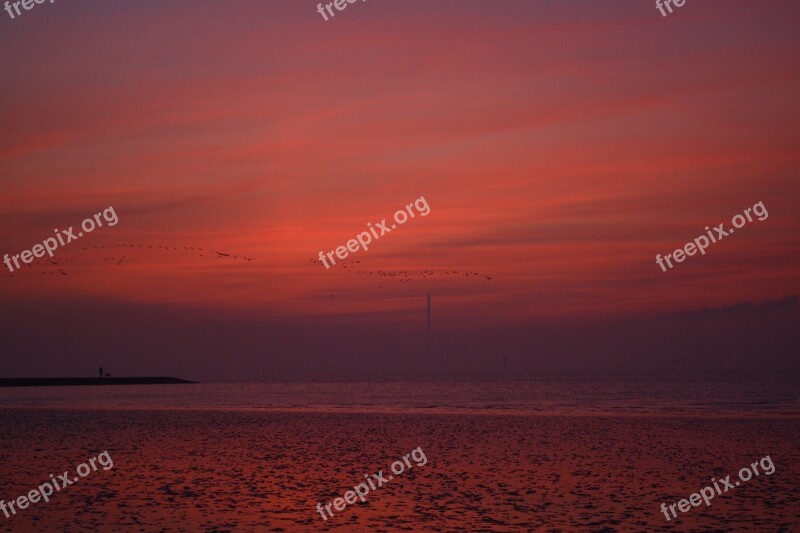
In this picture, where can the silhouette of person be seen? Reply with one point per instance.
(101, 371)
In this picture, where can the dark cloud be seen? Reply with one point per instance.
(741, 309)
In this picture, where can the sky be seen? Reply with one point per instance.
(559, 145)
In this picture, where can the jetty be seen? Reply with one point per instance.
(66, 382)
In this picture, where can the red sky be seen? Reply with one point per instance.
(560, 146)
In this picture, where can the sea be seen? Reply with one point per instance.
(683, 396)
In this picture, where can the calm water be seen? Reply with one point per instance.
(728, 396)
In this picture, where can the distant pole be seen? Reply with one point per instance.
(429, 314)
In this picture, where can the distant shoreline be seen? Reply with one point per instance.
(65, 382)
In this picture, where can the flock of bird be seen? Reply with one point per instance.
(678, 358)
(188, 248)
(406, 275)
(55, 261)
(58, 261)
(399, 275)
(121, 259)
